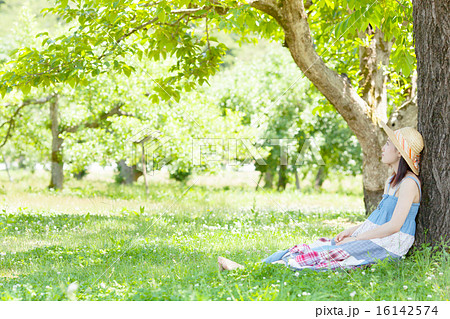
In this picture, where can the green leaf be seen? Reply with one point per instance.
(154, 98)
(2, 91)
(162, 16)
(72, 81)
(95, 72)
(127, 70)
(330, 3)
(25, 89)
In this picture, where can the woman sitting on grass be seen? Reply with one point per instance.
(387, 232)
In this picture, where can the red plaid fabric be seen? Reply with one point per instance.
(305, 256)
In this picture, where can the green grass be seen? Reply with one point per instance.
(99, 241)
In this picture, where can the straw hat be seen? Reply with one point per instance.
(409, 143)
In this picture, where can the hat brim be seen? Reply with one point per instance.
(394, 140)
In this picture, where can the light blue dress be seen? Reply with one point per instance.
(325, 254)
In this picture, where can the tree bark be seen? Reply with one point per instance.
(320, 178)
(144, 168)
(432, 39)
(268, 179)
(57, 172)
(7, 168)
(297, 180)
(127, 174)
(373, 62)
(282, 177)
(259, 180)
(81, 174)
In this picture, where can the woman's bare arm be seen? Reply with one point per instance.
(407, 191)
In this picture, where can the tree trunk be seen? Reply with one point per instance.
(81, 174)
(7, 168)
(268, 179)
(127, 174)
(373, 62)
(259, 180)
(282, 177)
(57, 172)
(144, 169)
(432, 39)
(297, 180)
(320, 178)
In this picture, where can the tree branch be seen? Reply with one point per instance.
(12, 119)
(26, 102)
(268, 6)
(291, 16)
(98, 122)
(126, 35)
(217, 6)
(151, 4)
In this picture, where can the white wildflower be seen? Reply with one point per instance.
(352, 294)
(405, 287)
(429, 296)
(71, 290)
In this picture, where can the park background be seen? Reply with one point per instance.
(80, 221)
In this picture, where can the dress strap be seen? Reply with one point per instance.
(389, 185)
(417, 182)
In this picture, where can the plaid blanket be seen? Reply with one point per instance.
(324, 254)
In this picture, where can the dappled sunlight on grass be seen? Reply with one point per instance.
(161, 249)
(102, 196)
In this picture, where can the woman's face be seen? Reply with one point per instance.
(389, 154)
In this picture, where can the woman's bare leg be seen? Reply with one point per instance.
(226, 264)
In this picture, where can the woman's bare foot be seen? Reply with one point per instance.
(226, 264)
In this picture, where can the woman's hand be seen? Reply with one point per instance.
(346, 233)
(347, 240)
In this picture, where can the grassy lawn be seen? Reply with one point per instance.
(99, 241)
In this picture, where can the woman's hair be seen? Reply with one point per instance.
(403, 168)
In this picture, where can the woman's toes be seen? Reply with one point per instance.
(226, 264)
